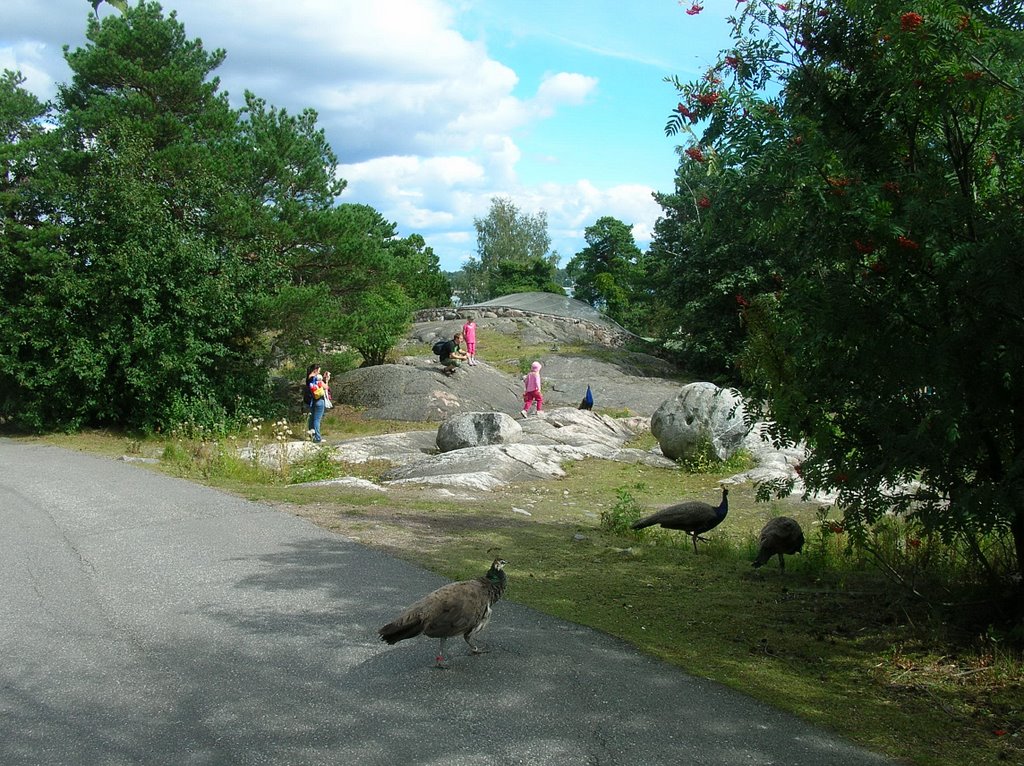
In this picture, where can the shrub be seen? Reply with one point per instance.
(626, 510)
(704, 459)
(318, 466)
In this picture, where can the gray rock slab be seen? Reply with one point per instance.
(616, 385)
(545, 303)
(415, 389)
(488, 467)
(398, 448)
(548, 440)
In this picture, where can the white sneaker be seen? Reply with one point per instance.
(524, 413)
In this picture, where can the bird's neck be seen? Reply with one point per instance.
(496, 581)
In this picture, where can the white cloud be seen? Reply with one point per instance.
(572, 208)
(439, 198)
(564, 88)
(427, 123)
(31, 59)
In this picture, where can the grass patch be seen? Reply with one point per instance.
(832, 640)
(506, 352)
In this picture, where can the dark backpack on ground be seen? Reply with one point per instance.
(440, 347)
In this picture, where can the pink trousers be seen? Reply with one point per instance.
(533, 396)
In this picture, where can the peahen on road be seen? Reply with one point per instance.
(692, 516)
(782, 536)
(457, 609)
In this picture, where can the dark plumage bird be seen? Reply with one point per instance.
(692, 516)
(780, 536)
(588, 400)
(457, 609)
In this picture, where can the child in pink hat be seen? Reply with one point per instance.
(469, 335)
(531, 391)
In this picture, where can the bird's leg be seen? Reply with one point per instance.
(782, 563)
(475, 648)
(439, 660)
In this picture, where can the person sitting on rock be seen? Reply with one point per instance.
(452, 355)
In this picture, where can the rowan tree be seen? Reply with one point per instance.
(873, 153)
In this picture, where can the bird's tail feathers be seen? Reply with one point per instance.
(400, 629)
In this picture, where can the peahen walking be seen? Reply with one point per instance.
(693, 517)
(457, 609)
(782, 536)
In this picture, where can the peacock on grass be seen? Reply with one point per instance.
(692, 516)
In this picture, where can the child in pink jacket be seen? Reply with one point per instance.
(469, 335)
(532, 392)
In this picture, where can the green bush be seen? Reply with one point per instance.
(704, 460)
(318, 466)
(626, 510)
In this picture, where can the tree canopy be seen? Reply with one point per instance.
(608, 272)
(161, 249)
(513, 254)
(866, 221)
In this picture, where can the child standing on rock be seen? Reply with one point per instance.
(531, 393)
(469, 335)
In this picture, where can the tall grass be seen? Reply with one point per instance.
(257, 453)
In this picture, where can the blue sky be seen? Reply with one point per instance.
(434, 107)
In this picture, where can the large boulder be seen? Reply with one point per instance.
(698, 412)
(416, 390)
(477, 429)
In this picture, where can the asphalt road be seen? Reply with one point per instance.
(146, 620)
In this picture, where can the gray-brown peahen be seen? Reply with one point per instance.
(457, 609)
(782, 536)
(693, 517)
